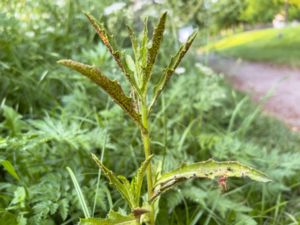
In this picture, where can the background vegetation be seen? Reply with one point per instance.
(277, 46)
(51, 118)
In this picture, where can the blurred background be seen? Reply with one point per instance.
(234, 97)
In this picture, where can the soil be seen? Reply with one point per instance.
(281, 84)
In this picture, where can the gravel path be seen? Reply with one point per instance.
(259, 80)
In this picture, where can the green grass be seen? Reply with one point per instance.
(279, 46)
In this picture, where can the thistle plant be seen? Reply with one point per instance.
(138, 71)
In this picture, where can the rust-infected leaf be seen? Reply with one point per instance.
(208, 169)
(111, 87)
(153, 51)
(107, 41)
(171, 68)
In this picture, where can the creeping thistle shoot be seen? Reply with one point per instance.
(137, 105)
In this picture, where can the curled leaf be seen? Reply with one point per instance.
(168, 72)
(111, 87)
(210, 169)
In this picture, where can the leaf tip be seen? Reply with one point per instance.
(65, 62)
(165, 14)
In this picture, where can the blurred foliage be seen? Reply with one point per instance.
(267, 45)
(51, 118)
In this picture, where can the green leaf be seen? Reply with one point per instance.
(168, 72)
(19, 197)
(79, 194)
(7, 218)
(143, 48)
(130, 63)
(111, 87)
(107, 41)
(119, 183)
(137, 181)
(9, 168)
(113, 218)
(153, 51)
(134, 42)
(208, 169)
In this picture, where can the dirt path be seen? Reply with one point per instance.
(259, 80)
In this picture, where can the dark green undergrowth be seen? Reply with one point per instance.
(51, 119)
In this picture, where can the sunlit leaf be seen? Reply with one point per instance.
(111, 87)
(168, 72)
(208, 169)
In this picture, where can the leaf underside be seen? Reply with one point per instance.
(111, 87)
(210, 169)
(113, 218)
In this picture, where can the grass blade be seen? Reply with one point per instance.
(79, 194)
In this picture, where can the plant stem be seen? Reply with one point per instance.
(146, 142)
